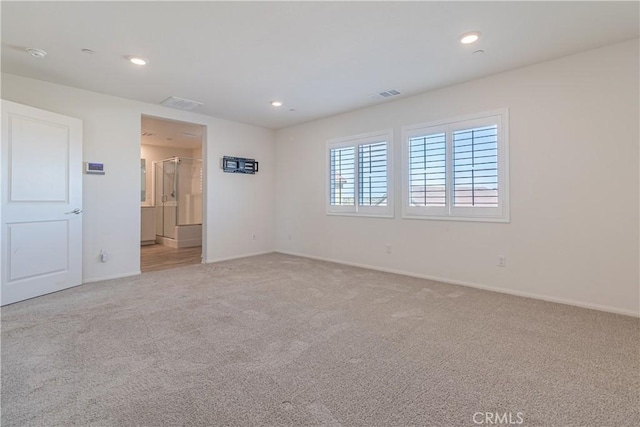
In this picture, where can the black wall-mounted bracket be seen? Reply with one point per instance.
(239, 165)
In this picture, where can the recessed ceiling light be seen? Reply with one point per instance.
(37, 53)
(276, 103)
(468, 38)
(137, 60)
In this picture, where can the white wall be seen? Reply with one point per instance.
(237, 206)
(574, 139)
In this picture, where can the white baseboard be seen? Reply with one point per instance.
(209, 261)
(166, 241)
(189, 243)
(114, 276)
(581, 304)
(179, 243)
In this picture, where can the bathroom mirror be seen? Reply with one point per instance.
(143, 182)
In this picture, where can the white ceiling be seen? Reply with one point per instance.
(320, 58)
(170, 133)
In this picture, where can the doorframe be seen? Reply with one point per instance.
(205, 173)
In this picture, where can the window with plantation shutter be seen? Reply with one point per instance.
(343, 172)
(372, 174)
(457, 169)
(475, 167)
(359, 175)
(427, 175)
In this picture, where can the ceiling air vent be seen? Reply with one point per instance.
(181, 103)
(386, 94)
(389, 93)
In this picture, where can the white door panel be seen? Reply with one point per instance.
(39, 153)
(41, 187)
(46, 241)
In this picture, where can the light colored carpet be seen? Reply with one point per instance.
(282, 340)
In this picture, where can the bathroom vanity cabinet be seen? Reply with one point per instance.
(148, 225)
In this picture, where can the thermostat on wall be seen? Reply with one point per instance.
(94, 168)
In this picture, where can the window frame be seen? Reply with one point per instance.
(450, 212)
(356, 141)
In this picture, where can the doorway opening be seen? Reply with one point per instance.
(172, 197)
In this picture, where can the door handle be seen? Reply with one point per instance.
(76, 211)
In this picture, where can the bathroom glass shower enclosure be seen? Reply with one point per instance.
(178, 194)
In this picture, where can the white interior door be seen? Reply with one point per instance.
(41, 202)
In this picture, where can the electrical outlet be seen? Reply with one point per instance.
(388, 249)
(104, 256)
(502, 261)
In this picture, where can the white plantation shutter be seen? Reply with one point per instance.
(427, 170)
(342, 179)
(372, 174)
(475, 167)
